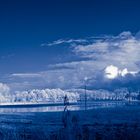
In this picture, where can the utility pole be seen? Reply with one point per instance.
(85, 97)
(129, 94)
(86, 92)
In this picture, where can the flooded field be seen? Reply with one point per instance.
(102, 120)
(60, 107)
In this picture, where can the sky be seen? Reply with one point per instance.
(57, 43)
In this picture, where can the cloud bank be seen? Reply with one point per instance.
(107, 61)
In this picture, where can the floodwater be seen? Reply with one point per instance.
(78, 106)
(107, 120)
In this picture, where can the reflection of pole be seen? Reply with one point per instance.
(85, 96)
(129, 96)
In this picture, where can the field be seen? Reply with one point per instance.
(110, 123)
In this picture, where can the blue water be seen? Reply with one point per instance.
(79, 106)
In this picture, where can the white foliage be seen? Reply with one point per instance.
(44, 95)
(118, 94)
(4, 89)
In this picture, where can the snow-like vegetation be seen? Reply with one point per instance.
(101, 94)
(57, 95)
(36, 95)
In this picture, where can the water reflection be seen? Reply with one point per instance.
(79, 106)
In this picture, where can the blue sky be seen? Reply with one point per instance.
(56, 43)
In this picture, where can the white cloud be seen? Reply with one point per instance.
(112, 72)
(94, 56)
(64, 41)
(122, 51)
(26, 75)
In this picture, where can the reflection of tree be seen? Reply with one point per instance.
(66, 113)
(71, 130)
(128, 95)
(138, 97)
(66, 101)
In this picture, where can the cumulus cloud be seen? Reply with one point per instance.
(122, 50)
(112, 72)
(130, 81)
(117, 56)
